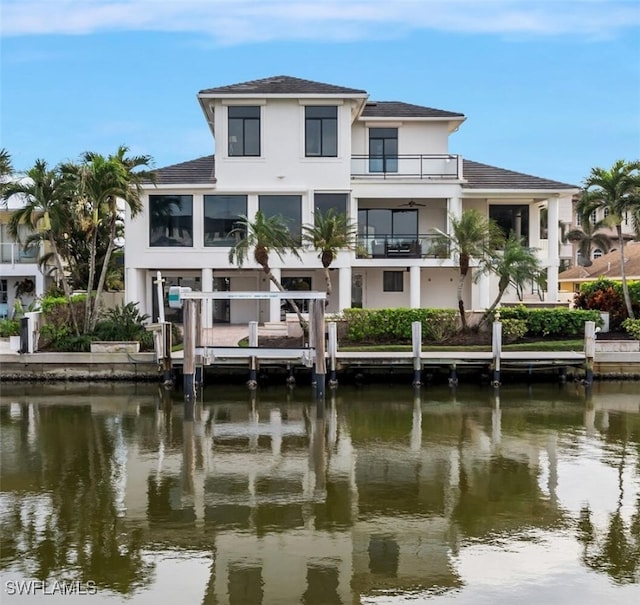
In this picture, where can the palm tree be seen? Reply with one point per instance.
(46, 209)
(6, 168)
(263, 235)
(617, 190)
(101, 182)
(588, 236)
(331, 232)
(473, 236)
(514, 265)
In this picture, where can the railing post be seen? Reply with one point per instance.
(189, 346)
(317, 307)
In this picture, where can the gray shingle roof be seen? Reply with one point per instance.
(483, 176)
(397, 109)
(199, 171)
(478, 176)
(283, 85)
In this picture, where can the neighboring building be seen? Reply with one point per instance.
(290, 146)
(18, 267)
(607, 265)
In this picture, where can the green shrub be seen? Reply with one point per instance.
(606, 295)
(559, 322)
(61, 338)
(513, 329)
(124, 322)
(9, 327)
(394, 325)
(632, 326)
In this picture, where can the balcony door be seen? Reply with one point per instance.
(383, 150)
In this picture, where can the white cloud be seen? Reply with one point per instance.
(241, 21)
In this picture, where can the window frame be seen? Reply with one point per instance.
(327, 126)
(169, 226)
(225, 240)
(245, 122)
(387, 160)
(390, 281)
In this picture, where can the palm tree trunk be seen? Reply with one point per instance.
(494, 304)
(65, 285)
(327, 279)
(623, 275)
(103, 274)
(463, 317)
(92, 273)
(303, 324)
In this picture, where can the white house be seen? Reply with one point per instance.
(290, 146)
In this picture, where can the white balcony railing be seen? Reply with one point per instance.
(420, 166)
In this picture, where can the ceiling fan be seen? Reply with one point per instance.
(412, 204)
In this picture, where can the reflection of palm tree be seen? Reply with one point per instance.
(618, 553)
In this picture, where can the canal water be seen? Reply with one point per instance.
(382, 495)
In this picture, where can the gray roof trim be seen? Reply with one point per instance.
(281, 85)
(482, 176)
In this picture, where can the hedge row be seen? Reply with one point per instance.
(557, 322)
(384, 325)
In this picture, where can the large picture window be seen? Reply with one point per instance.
(392, 281)
(383, 150)
(321, 131)
(171, 220)
(221, 216)
(244, 130)
(323, 202)
(289, 207)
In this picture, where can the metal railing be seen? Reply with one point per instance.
(384, 245)
(11, 252)
(420, 166)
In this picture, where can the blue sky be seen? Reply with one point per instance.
(549, 87)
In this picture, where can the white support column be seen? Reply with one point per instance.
(454, 208)
(344, 288)
(131, 286)
(553, 261)
(274, 304)
(207, 303)
(414, 287)
(480, 294)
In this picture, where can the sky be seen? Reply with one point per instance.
(549, 87)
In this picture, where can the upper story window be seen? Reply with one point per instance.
(594, 217)
(321, 131)
(597, 253)
(171, 220)
(244, 130)
(323, 202)
(221, 216)
(289, 207)
(383, 150)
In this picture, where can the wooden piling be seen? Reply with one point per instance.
(321, 365)
(589, 350)
(416, 342)
(496, 350)
(189, 345)
(333, 350)
(252, 383)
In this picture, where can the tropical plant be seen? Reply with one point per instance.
(47, 209)
(514, 265)
(589, 235)
(260, 237)
(6, 168)
(472, 237)
(331, 232)
(99, 183)
(618, 191)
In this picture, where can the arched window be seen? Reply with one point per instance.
(597, 253)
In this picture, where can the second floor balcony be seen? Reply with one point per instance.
(409, 166)
(384, 245)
